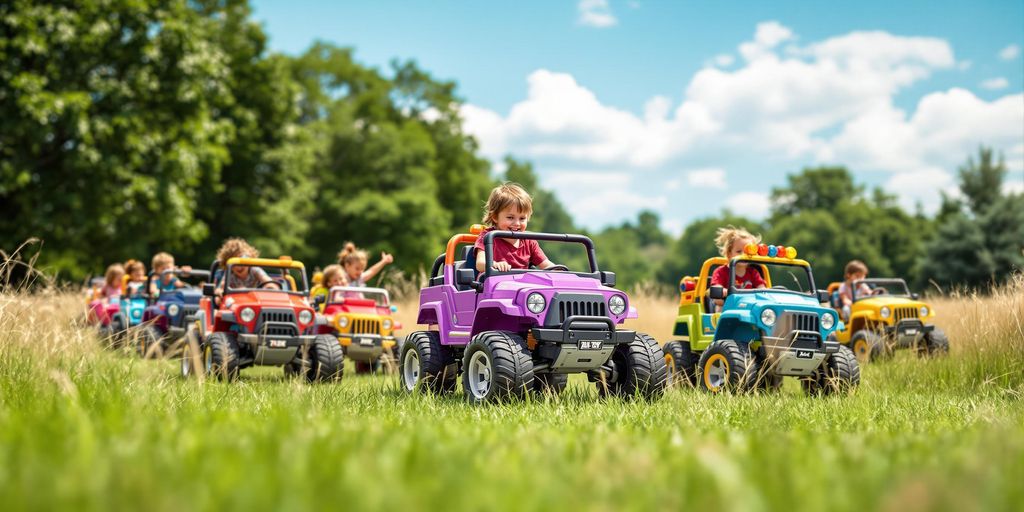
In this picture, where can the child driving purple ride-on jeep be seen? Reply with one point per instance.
(510, 332)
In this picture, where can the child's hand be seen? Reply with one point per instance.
(386, 258)
(185, 269)
(501, 266)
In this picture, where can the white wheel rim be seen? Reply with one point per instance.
(411, 369)
(208, 360)
(479, 374)
(186, 364)
(717, 374)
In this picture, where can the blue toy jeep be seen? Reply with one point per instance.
(166, 317)
(744, 339)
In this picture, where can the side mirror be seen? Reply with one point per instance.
(822, 296)
(465, 276)
(608, 278)
(717, 292)
(208, 290)
(915, 296)
(394, 309)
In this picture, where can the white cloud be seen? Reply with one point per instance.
(706, 178)
(1010, 52)
(724, 60)
(596, 13)
(755, 205)
(828, 101)
(995, 83)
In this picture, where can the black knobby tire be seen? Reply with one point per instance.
(764, 378)
(681, 363)
(118, 329)
(426, 365)
(147, 342)
(220, 355)
(640, 370)
(326, 359)
(868, 346)
(553, 383)
(935, 343)
(839, 373)
(726, 366)
(496, 367)
(191, 355)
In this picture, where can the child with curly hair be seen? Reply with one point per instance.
(241, 276)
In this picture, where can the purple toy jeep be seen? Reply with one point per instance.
(509, 333)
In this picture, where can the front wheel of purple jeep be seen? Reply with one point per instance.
(496, 367)
(426, 365)
(639, 370)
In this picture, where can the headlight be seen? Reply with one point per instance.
(136, 313)
(173, 310)
(342, 321)
(885, 312)
(247, 315)
(924, 311)
(768, 317)
(386, 324)
(536, 302)
(828, 320)
(616, 305)
(305, 316)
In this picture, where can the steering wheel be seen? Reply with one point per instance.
(265, 283)
(561, 268)
(879, 291)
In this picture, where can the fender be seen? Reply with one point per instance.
(430, 313)
(504, 305)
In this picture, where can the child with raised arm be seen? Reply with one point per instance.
(731, 241)
(163, 262)
(354, 261)
(508, 209)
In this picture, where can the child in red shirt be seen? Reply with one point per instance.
(731, 241)
(508, 209)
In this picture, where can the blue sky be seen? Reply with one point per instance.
(686, 108)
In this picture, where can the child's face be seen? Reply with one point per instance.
(138, 275)
(856, 276)
(336, 280)
(117, 277)
(511, 219)
(355, 269)
(160, 270)
(737, 247)
(240, 271)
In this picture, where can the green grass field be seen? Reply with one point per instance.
(85, 428)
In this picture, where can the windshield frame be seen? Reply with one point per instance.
(732, 277)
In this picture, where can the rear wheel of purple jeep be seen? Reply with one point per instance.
(496, 366)
(426, 365)
(640, 370)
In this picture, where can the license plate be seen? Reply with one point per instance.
(278, 343)
(911, 331)
(590, 345)
(804, 354)
(366, 341)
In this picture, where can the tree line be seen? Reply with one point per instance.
(133, 128)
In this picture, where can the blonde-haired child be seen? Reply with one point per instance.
(162, 262)
(509, 208)
(242, 276)
(333, 275)
(112, 280)
(136, 271)
(354, 261)
(730, 241)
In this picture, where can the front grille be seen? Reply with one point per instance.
(186, 313)
(365, 326)
(277, 322)
(805, 322)
(569, 308)
(904, 313)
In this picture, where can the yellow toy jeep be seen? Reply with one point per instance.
(361, 319)
(885, 316)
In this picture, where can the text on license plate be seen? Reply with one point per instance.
(804, 354)
(278, 343)
(911, 331)
(366, 341)
(590, 345)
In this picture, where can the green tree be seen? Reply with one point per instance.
(109, 127)
(814, 189)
